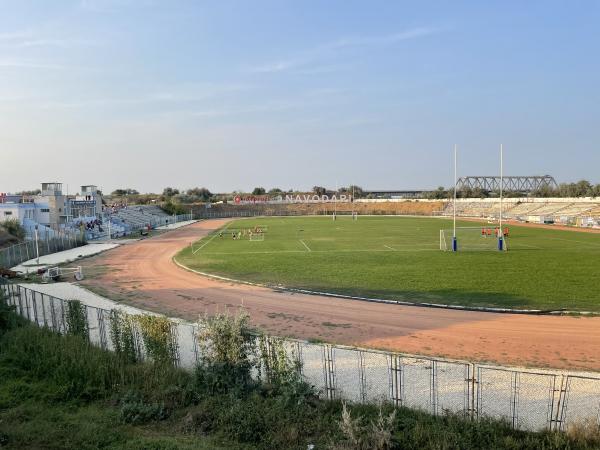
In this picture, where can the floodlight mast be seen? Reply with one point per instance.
(454, 243)
(501, 233)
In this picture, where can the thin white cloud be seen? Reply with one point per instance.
(52, 42)
(413, 33)
(25, 64)
(278, 66)
(305, 62)
(15, 35)
(186, 93)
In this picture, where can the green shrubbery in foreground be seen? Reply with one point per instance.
(60, 392)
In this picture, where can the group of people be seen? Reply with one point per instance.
(236, 235)
(488, 232)
(89, 225)
(114, 208)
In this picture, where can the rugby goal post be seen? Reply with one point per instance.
(484, 238)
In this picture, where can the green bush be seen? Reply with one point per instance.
(77, 322)
(58, 374)
(135, 410)
(123, 335)
(8, 319)
(226, 347)
(158, 338)
(14, 227)
(174, 208)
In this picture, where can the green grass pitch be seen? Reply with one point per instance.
(399, 258)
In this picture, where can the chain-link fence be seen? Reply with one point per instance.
(44, 245)
(528, 400)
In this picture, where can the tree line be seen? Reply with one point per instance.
(582, 188)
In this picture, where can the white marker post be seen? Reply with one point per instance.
(37, 248)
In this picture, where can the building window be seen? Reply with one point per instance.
(44, 210)
(8, 213)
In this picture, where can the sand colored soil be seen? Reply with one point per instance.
(144, 275)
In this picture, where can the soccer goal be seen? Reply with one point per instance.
(257, 237)
(483, 238)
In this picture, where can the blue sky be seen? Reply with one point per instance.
(230, 95)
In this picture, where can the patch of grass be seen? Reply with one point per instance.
(398, 258)
(59, 392)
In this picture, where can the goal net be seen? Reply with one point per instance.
(472, 239)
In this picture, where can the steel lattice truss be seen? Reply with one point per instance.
(523, 184)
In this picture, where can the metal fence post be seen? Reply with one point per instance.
(101, 328)
(433, 392)
(329, 371)
(515, 399)
(395, 379)
(558, 416)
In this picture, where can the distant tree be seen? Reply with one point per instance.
(13, 227)
(357, 190)
(259, 191)
(319, 190)
(275, 191)
(170, 192)
(195, 195)
(439, 194)
(547, 191)
(122, 192)
(33, 192)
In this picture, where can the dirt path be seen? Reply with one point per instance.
(143, 274)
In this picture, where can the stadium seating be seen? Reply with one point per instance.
(137, 216)
(525, 209)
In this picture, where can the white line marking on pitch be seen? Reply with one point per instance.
(208, 242)
(276, 252)
(307, 247)
(387, 246)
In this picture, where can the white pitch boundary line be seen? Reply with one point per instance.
(208, 242)
(391, 248)
(275, 252)
(307, 247)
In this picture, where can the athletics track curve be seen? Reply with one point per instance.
(143, 274)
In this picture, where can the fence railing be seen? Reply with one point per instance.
(527, 399)
(207, 214)
(128, 228)
(45, 245)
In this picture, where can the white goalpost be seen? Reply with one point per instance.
(476, 237)
(481, 238)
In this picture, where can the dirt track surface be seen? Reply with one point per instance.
(143, 274)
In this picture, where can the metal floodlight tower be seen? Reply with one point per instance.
(454, 241)
(500, 232)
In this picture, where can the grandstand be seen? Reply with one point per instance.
(140, 215)
(564, 211)
(132, 218)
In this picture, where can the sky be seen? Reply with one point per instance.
(236, 94)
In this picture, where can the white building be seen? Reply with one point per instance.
(51, 208)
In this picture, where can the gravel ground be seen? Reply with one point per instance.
(63, 257)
